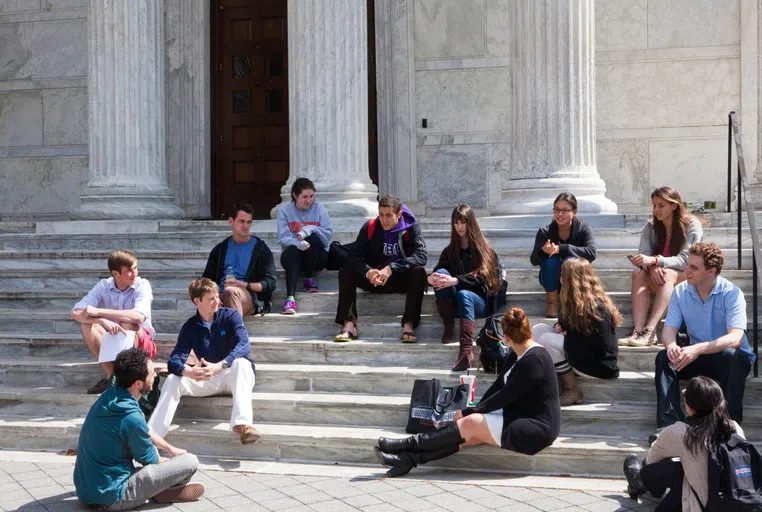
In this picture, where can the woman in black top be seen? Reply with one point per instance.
(519, 412)
(584, 337)
(565, 237)
(466, 281)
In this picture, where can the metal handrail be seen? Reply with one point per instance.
(744, 192)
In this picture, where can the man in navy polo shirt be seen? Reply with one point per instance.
(714, 311)
(219, 339)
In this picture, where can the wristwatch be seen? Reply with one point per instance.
(225, 364)
(248, 287)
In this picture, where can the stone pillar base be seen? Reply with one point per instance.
(756, 195)
(536, 195)
(127, 203)
(340, 198)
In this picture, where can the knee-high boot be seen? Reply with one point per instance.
(466, 340)
(428, 441)
(446, 310)
(418, 449)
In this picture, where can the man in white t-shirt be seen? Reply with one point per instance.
(117, 304)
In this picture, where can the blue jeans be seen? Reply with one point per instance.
(468, 305)
(729, 368)
(550, 273)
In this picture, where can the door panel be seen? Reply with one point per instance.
(251, 100)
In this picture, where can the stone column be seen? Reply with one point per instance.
(128, 178)
(553, 108)
(328, 104)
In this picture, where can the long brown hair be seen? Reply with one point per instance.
(581, 293)
(515, 326)
(680, 220)
(484, 263)
(711, 422)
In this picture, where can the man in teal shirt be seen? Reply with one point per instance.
(115, 433)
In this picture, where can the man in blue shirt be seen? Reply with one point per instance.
(115, 433)
(714, 311)
(220, 341)
(243, 266)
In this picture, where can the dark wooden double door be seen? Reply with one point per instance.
(250, 103)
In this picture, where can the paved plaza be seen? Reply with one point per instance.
(36, 482)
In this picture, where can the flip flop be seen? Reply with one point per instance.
(408, 337)
(349, 337)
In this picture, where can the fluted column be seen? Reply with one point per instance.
(128, 177)
(553, 108)
(328, 104)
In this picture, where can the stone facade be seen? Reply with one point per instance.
(666, 75)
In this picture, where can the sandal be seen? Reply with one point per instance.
(408, 337)
(340, 338)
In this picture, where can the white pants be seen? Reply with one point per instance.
(554, 344)
(237, 380)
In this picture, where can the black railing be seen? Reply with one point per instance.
(744, 197)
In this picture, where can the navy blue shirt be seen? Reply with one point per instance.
(226, 339)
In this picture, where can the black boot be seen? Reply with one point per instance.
(466, 340)
(631, 469)
(446, 436)
(402, 463)
(446, 310)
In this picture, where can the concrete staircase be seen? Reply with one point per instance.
(314, 400)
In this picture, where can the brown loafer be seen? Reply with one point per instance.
(249, 435)
(181, 494)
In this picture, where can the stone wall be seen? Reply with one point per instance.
(43, 106)
(667, 74)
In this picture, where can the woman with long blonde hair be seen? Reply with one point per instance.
(584, 338)
(466, 281)
(659, 264)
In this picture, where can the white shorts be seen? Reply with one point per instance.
(495, 425)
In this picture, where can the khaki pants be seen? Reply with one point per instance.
(238, 299)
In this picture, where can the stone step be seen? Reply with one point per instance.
(519, 280)
(436, 239)
(630, 387)
(318, 325)
(627, 421)
(533, 303)
(582, 456)
(510, 258)
(424, 354)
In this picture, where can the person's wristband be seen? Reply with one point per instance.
(248, 287)
(225, 364)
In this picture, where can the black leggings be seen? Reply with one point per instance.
(663, 475)
(310, 261)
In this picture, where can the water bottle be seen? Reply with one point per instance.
(229, 273)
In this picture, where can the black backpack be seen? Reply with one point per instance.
(735, 477)
(490, 342)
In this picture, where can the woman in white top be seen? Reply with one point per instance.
(659, 264)
(707, 423)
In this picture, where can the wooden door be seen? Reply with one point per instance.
(250, 98)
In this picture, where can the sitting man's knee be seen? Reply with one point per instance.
(418, 272)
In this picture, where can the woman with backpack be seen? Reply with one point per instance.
(584, 338)
(707, 424)
(662, 254)
(519, 412)
(565, 237)
(304, 234)
(467, 282)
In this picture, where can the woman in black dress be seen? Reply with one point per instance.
(519, 412)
